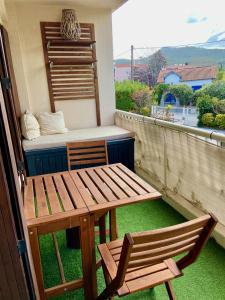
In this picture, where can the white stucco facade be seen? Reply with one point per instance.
(22, 21)
(173, 78)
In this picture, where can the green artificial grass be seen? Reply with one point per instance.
(203, 280)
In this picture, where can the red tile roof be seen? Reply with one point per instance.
(187, 73)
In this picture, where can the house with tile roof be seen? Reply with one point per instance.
(193, 76)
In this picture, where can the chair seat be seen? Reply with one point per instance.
(137, 279)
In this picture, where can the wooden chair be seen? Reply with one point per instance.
(88, 154)
(145, 260)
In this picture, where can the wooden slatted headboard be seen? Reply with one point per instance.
(70, 65)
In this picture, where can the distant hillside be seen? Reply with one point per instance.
(190, 55)
(194, 56)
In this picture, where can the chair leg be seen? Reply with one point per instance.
(170, 291)
(106, 294)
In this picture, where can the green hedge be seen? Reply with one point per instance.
(126, 91)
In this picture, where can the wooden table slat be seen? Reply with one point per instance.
(136, 178)
(139, 190)
(74, 192)
(82, 189)
(64, 196)
(91, 187)
(42, 206)
(117, 191)
(29, 207)
(120, 182)
(102, 186)
(52, 195)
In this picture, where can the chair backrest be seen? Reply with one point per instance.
(155, 246)
(87, 153)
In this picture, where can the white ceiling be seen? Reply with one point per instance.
(112, 4)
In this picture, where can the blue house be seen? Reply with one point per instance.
(193, 76)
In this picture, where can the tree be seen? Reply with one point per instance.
(156, 62)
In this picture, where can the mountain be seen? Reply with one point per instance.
(190, 55)
(193, 55)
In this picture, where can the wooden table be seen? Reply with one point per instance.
(77, 198)
(51, 203)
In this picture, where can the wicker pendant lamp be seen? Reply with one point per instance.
(70, 27)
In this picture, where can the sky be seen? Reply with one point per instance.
(148, 23)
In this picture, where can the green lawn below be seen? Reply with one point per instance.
(204, 280)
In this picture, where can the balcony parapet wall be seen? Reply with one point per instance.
(186, 164)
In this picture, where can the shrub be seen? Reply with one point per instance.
(158, 91)
(142, 98)
(219, 107)
(220, 121)
(214, 89)
(145, 111)
(124, 92)
(182, 92)
(205, 104)
(208, 119)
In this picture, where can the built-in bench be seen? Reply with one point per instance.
(47, 154)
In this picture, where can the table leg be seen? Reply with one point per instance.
(87, 238)
(73, 238)
(35, 250)
(113, 225)
(102, 229)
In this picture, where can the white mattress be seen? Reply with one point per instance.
(58, 140)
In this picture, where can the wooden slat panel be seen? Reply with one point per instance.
(159, 258)
(117, 191)
(29, 208)
(88, 161)
(165, 242)
(136, 178)
(83, 191)
(139, 190)
(90, 155)
(74, 193)
(120, 182)
(153, 280)
(105, 190)
(41, 197)
(165, 233)
(72, 60)
(86, 150)
(64, 196)
(74, 98)
(145, 271)
(92, 188)
(52, 196)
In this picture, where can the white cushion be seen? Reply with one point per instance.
(51, 123)
(30, 127)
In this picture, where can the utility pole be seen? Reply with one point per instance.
(132, 62)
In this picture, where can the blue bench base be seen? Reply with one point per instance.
(51, 160)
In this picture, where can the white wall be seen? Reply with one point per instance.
(175, 79)
(197, 82)
(26, 46)
(122, 73)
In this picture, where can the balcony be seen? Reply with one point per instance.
(176, 161)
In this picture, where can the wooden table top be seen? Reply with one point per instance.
(111, 186)
(58, 195)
